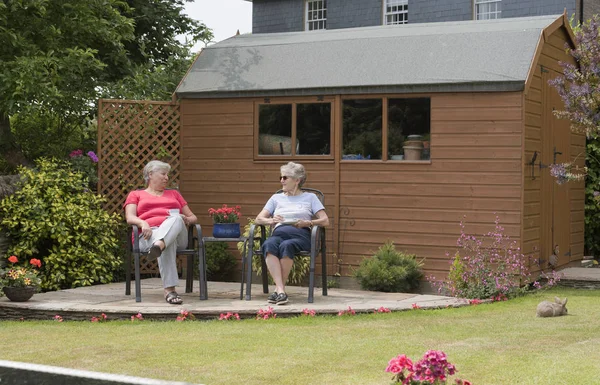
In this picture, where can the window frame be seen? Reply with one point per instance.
(308, 22)
(294, 102)
(476, 3)
(384, 127)
(386, 14)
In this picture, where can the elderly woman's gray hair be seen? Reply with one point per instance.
(155, 165)
(294, 170)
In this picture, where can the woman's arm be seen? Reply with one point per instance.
(188, 216)
(264, 218)
(322, 219)
(132, 219)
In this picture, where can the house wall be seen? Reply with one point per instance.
(590, 8)
(270, 16)
(536, 221)
(475, 173)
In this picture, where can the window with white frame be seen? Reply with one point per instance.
(316, 15)
(487, 9)
(395, 12)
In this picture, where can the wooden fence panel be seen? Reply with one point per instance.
(130, 134)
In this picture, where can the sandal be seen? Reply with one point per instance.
(154, 253)
(173, 298)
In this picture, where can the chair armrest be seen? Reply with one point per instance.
(252, 233)
(136, 238)
(315, 234)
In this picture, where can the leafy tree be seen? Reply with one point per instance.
(59, 56)
(579, 89)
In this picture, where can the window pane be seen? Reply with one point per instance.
(275, 129)
(409, 129)
(313, 128)
(362, 129)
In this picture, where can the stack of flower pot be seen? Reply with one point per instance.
(413, 147)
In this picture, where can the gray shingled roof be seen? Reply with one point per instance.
(493, 55)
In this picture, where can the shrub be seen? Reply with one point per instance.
(54, 217)
(301, 263)
(389, 270)
(490, 267)
(219, 261)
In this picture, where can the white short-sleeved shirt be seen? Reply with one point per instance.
(298, 207)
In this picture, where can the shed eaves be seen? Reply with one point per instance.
(492, 55)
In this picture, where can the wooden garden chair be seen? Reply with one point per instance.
(193, 250)
(317, 245)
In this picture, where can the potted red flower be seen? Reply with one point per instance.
(225, 221)
(19, 283)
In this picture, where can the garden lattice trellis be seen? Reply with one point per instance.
(130, 134)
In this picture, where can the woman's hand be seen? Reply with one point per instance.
(303, 223)
(146, 230)
(277, 219)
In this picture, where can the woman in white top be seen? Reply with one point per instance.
(291, 212)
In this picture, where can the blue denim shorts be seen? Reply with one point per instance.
(287, 241)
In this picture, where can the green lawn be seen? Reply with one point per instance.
(499, 343)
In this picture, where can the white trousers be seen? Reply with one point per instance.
(174, 234)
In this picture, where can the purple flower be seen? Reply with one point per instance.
(92, 156)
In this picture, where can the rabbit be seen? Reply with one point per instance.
(552, 309)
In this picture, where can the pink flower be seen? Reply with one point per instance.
(382, 310)
(309, 312)
(415, 306)
(138, 317)
(398, 364)
(94, 319)
(58, 318)
(13, 259)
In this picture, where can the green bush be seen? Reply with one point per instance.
(219, 261)
(389, 270)
(299, 268)
(55, 218)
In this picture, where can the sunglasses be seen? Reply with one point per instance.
(283, 177)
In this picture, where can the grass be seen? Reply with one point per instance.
(499, 343)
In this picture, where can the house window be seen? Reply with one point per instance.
(408, 129)
(361, 138)
(487, 9)
(395, 12)
(316, 14)
(294, 129)
(406, 138)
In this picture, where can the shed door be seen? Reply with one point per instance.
(556, 232)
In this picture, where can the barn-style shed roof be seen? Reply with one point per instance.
(492, 55)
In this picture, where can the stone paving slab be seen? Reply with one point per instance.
(83, 303)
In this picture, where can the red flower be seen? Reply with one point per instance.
(13, 259)
(36, 262)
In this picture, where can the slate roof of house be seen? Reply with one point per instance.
(492, 55)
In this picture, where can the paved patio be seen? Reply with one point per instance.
(86, 302)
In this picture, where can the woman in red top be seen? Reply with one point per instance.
(162, 215)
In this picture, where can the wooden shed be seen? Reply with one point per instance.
(408, 130)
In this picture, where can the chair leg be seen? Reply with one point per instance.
(265, 275)
(244, 257)
(202, 271)
(311, 279)
(189, 279)
(324, 263)
(249, 256)
(128, 273)
(138, 283)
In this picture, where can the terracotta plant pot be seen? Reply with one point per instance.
(19, 294)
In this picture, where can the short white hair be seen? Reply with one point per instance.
(294, 170)
(155, 165)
